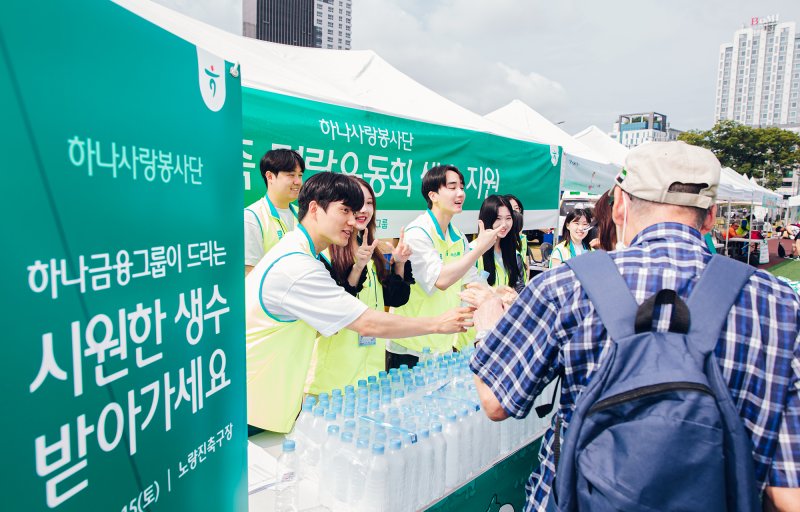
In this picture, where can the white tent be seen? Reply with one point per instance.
(600, 142)
(355, 78)
(582, 168)
(793, 201)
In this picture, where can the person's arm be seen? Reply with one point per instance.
(781, 499)
(386, 325)
(555, 258)
(253, 242)
(451, 272)
(485, 318)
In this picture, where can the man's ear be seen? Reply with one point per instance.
(313, 207)
(433, 196)
(709, 221)
(618, 208)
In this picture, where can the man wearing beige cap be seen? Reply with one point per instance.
(663, 203)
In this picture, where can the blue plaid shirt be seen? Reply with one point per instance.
(553, 325)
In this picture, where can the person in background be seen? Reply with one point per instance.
(606, 238)
(290, 297)
(519, 217)
(267, 220)
(576, 226)
(362, 270)
(503, 264)
(441, 262)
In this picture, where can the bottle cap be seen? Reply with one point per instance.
(377, 449)
(395, 444)
(347, 437)
(333, 429)
(288, 445)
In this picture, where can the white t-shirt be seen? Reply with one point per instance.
(426, 262)
(298, 286)
(287, 217)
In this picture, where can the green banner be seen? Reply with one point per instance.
(392, 154)
(123, 358)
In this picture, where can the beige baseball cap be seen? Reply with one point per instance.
(651, 168)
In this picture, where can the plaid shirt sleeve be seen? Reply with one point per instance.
(785, 468)
(520, 356)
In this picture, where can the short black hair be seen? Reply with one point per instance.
(280, 160)
(436, 178)
(329, 187)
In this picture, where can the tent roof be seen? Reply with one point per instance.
(599, 141)
(351, 78)
(519, 116)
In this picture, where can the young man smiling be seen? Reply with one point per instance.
(267, 220)
(290, 297)
(441, 262)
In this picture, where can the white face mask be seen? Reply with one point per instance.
(621, 240)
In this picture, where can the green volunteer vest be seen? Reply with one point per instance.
(278, 356)
(450, 248)
(270, 223)
(339, 360)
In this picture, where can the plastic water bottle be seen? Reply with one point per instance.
(427, 460)
(439, 460)
(358, 473)
(326, 470)
(287, 499)
(376, 488)
(453, 440)
(342, 465)
(466, 457)
(414, 475)
(397, 474)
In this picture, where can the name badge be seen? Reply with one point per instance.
(366, 341)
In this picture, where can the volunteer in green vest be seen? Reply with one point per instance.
(503, 264)
(576, 226)
(441, 262)
(290, 297)
(267, 220)
(362, 270)
(519, 215)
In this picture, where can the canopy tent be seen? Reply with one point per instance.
(793, 201)
(600, 142)
(582, 168)
(316, 101)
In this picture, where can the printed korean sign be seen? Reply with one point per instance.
(392, 154)
(123, 363)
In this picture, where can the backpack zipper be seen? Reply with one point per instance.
(647, 391)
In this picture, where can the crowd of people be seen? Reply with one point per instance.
(319, 283)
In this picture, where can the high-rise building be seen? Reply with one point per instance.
(332, 22)
(279, 21)
(758, 78)
(630, 130)
(315, 23)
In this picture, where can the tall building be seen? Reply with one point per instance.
(315, 23)
(630, 130)
(332, 22)
(759, 75)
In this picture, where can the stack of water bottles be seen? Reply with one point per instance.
(400, 440)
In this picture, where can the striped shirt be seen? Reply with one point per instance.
(552, 325)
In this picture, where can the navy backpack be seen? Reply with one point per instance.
(656, 429)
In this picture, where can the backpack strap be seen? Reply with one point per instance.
(720, 284)
(607, 290)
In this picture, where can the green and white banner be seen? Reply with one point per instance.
(392, 154)
(123, 357)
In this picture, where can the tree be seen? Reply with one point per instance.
(770, 152)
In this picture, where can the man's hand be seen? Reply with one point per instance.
(455, 320)
(402, 252)
(507, 294)
(485, 239)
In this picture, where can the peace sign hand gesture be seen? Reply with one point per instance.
(364, 252)
(402, 252)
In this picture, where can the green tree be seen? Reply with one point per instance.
(761, 152)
